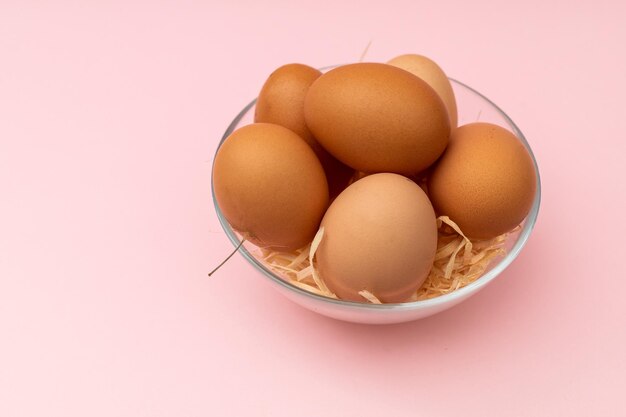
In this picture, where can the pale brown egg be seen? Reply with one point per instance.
(380, 235)
(270, 186)
(377, 118)
(281, 101)
(485, 181)
(428, 70)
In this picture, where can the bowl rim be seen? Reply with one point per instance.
(456, 295)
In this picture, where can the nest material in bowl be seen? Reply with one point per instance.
(458, 262)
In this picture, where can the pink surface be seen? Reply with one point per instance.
(109, 117)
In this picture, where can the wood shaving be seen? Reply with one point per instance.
(459, 261)
(369, 297)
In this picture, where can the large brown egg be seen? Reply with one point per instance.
(380, 235)
(485, 181)
(428, 70)
(377, 118)
(270, 186)
(281, 101)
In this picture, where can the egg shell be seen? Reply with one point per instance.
(377, 118)
(428, 70)
(270, 186)
(485, 181)
(380, 235)
(281, 101)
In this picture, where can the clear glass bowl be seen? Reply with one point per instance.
(472, 107)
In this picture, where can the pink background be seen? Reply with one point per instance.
(109, 117)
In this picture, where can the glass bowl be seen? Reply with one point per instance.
(472, 107)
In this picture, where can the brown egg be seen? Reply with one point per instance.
(428, 70)
(485, 181)
(380, 235)
(270, 186)
(281, 101)
(377, 118)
